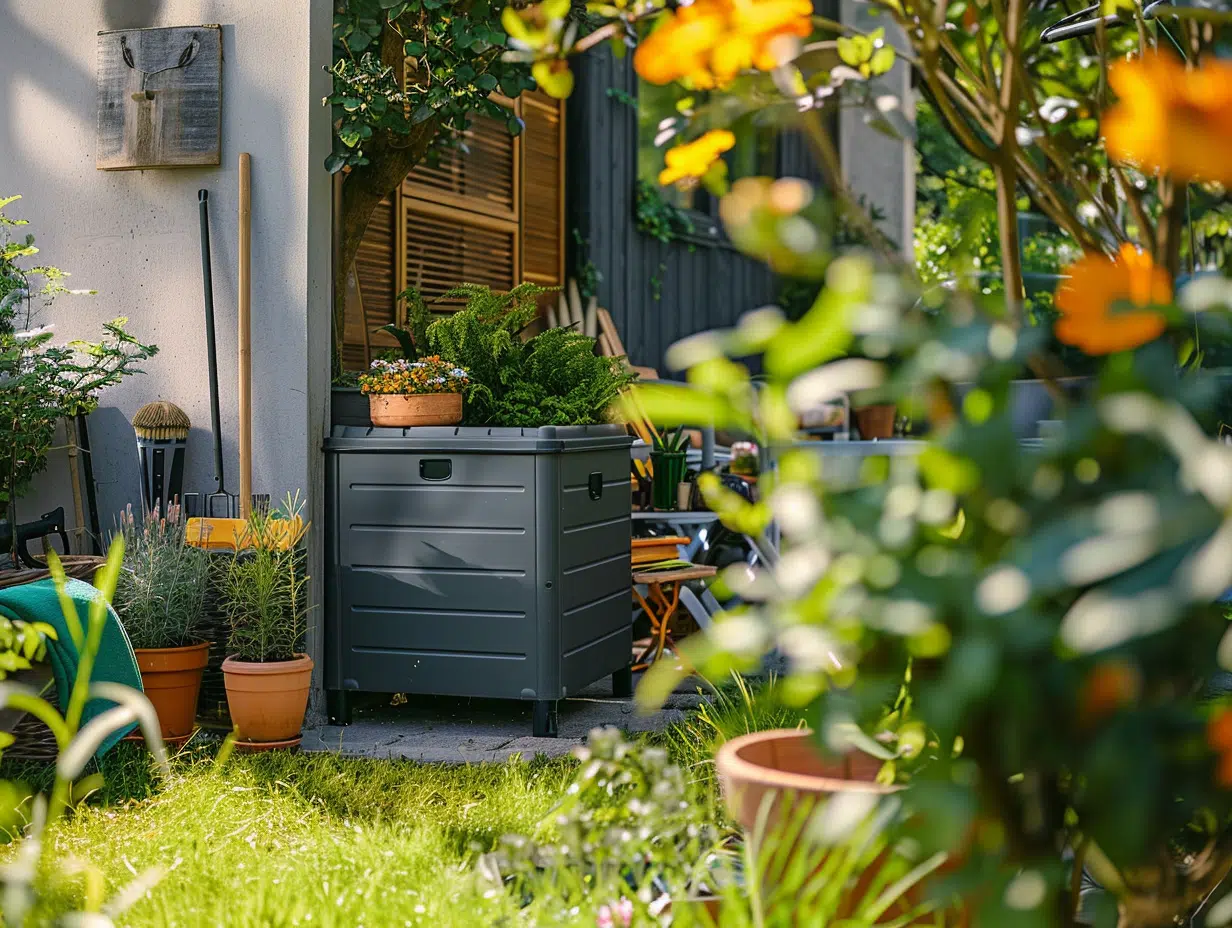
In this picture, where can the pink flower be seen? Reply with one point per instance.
(618, 914)
(624, 911)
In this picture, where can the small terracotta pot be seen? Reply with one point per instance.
(398, 410)
(267, 701)
(875, 421)
(171, 678)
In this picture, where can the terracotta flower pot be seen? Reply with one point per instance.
(875, 421)
(171, 678)
(787, 764)
(268, 700)
(400, 410)
(787, 760)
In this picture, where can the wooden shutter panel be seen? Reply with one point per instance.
(482, 178)
(446, 247)
(543, 190)
(491, 213)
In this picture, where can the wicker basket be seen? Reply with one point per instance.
(32, 740)
(79, 566)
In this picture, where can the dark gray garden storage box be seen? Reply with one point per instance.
(488, 562)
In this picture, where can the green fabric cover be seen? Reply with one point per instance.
(116, 663)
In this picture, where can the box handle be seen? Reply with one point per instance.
(595, 484)
(436, 468)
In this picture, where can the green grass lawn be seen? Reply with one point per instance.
(304, 839)
(316, 839)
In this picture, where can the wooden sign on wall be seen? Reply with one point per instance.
(159, 98)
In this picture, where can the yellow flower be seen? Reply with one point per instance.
(1175, 120)
(553, 77)
(1096, 283)
(691, 162)
(709, 42)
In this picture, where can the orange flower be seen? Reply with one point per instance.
(1169, 118)
(1219, 737)
(1109, 686)
(689, 163)
(1089, 317)
(709, 42)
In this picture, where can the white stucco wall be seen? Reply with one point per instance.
(878, 167)
(133, 235)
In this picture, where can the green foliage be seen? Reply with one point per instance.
(658, 218)
(160, 596)
(41, 383)
(1061, 639)
(453, 65)
(672, 442)
(264, 586)
(622, 96)
(37, 870)
(554, 378)
(634, 832)
(22, 643)
(586, 272)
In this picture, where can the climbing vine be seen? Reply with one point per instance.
(658, 218)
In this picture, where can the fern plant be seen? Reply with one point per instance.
(553, 378)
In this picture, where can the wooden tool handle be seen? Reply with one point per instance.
(245, 334)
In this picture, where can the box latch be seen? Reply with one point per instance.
(596, 485)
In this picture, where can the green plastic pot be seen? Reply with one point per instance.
(669, 470)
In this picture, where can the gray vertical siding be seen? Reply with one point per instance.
(706, 285)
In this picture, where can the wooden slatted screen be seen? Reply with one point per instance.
(543, 190)
(489, 213)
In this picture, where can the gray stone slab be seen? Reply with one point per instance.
(456, 731)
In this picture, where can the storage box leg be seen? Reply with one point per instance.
(543, 720)
(338, 706)
(622, 682)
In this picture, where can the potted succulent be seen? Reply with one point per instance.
(404, 393)
(669, 463)
(160, 599)
(264, 595)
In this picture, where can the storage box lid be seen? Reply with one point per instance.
(547, 439)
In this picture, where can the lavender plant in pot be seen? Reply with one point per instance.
(264, 594)
(160, 597)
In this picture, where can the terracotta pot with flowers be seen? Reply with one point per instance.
(264, 594)
(160, 598)
(403, 393)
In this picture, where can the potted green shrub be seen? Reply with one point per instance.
(264, 595)
(160, 599)
(404, 393)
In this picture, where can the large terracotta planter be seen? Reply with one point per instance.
(787, 765)
(787, 761)
(399, 410)
(268, 700)
(171, 678)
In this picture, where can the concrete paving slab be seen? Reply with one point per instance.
(456, 731)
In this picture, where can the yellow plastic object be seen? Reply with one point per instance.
(233, 534)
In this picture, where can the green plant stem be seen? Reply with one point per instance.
(1005, 168)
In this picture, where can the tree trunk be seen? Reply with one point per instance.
(362, 192)
(390, 158)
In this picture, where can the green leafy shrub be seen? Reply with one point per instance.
(160, 596)
(553, 378)
(41, 382)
